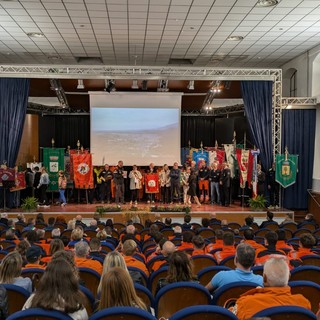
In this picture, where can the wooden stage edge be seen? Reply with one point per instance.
(233, 213)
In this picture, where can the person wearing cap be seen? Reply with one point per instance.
(62, 183)
(33, 256)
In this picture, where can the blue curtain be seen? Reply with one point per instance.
(13, 107)
(257, 98)
(298, 134)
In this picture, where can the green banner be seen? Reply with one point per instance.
(286, 169)
(53, 161)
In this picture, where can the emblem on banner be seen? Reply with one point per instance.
(83, 168)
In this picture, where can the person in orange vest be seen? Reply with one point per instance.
(198, 246)
(186, 241)
(33, 256)
(81, 258)
(307, 242)
(218, 242)
(248, 235)
(228, 248)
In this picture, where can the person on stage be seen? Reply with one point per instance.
(150, 170)
(105, 177)
(175, 182)
(135, 184)
(203, 175)
(185, 185)
(261, 180)
(118, 178)
(225, 182)
(36, 180)
(192, 182)
(62, 184)
(165, 183)
(43, 186)
(214, 178)
(273, 187)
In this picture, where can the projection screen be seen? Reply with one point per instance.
(137, 128)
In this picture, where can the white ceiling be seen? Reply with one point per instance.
(150, 32)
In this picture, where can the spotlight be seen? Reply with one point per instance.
(144, 85)
(80, 84)
(289, 106)
(163, 86)
(134, 85)
(109, 85)
(191, 85)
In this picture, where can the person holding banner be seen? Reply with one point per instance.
(175, 182)
(165, 183)
(118, 178)
(43, 186)
(225, 182)
(62, 184)
(135, 184)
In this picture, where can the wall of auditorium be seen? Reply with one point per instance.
(29, 147)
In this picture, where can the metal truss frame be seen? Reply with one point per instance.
(159, 73)
(299, 101)
(214, 112)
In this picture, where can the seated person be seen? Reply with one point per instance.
(276, 291)
(199, 246)
(56, 233)
(309, 218)
(248, 223)
(269, 219)
(281, 243)
(93, 226)
(166, 249)
(248, 235)
(218, 243)
(152, 231)
(81, 259)
(186, 241)
(95, 249)
(129, 249)
(306, 243)
(130, 229)
(177, 233)
(243, 260)
(213, 218)
(270, 242)
(228, 248)
(76, 236)
(287, 219)
(79, 222)
(186, 224)
(34, 256)
(55, 245)
(180, 269)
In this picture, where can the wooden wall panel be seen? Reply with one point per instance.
(29, 146)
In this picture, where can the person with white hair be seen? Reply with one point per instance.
(4, 218)
(276, 291)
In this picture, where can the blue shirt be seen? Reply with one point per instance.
(226, 277)
(25, 283)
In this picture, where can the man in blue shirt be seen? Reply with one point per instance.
(244, 260)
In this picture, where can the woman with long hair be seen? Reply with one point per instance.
(10, 271)
(180, 269)
(117, 290)
(55, 246)
(58, 289)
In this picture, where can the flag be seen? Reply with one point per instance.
(152, 182)
(286, 169)
(7, 177)
(82, 170)
(216, 155)
(255, 154)
(185, 156)
(32, 165)
(67, 167)
(53, 161)
(20, 182)
(230, 156)
(245, 161)
(199, 156)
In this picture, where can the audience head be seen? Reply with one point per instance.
(281, 234)
(77, 234)
(51, 221)
(224, 223)
(68, 256)
(187, 218)
(148, 223)
(33, 254)
(108, 231)
(81, 249)
(269, 215)
(117, 290)
(109, 223)
(79, 217)
(10, 235)
(198, 242)
(205, 222)
(219, 234)
(187, 236)
(276, 272)
(129, 247)
(56, 233)
(130, 229)
(180, 267)
(40, 234)
(61, 219)
(307, 240)
(39, 218)
(213, 215)
(31, 221)
(56, 245)
(153, 229)
(271, 238)
(32, 236)
(93, 223)
(309, 217)
(248, 234)
(228, 239)
(102, 235)
(10, 267)
(95, 244)
(22, 247)
(249, 221)
(96, 216)
(168, 248)
(21, 217)
(71, 224)
(168, 221)
(157, 216)
(245, 256)
(177, 229)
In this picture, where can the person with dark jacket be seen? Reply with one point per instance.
(36, 180)
(3, 303)
(175, 182)
(225, 182)
(214, 178)
(118, 178)
(105, 187)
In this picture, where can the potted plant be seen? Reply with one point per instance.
(257, 203)
(29, 204)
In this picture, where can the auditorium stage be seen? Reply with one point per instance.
(233, 213)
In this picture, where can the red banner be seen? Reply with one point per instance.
(82, 171)
(20, 182)
(152, 183)
(7, 175)
(245, 161)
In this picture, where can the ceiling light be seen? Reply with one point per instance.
(134, 85)
(80, 84)
(235, 38)
(191, 85)
(144, 85)
(267, 3)
(289, 106)
(163, 86)
(35, 35)
(109, 85)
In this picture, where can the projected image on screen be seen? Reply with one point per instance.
(135, 135)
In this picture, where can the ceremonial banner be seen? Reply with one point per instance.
(185, 155)
(20, 182)
(152, 182)
(32, 165)
(67, 164)
(286, 169)
(82, 171)
(200, 155)
(7, 176)
(53, 161)
(230, 156)
(216, 155)
(254, 183)
(245, 161)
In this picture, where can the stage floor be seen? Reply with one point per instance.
(233, 213)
